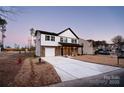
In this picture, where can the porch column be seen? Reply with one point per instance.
(76, 51)
(66, 51)
(69, 51)
(63, 50)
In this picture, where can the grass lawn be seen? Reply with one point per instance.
(101, 59)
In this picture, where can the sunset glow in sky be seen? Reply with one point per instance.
(98, 23)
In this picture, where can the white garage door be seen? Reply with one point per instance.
(49, 52)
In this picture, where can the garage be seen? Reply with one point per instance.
(49, 52)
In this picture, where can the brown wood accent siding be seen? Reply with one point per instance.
(57, 51)
(42, 51)
(76, 51)
(71, 51)
(61, 51)
(64, 50)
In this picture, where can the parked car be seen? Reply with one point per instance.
(102, 52)
(121, 54)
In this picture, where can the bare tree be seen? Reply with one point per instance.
(118, 39)
(118, 43)
(6, 11)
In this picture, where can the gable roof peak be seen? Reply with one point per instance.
(67, 30)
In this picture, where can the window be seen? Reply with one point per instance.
(65, 40)
(52, 38)
(47, 38)
(61, 39)
(74, 41)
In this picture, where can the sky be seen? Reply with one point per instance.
(97, 23)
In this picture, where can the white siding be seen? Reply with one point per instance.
(68, 33)
(49, 43)
(40, 40)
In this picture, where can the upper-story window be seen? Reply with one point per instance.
(63, 39)
(74, 41)
(47, 38)
(52, 38)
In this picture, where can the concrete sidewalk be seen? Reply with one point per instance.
(70, 69)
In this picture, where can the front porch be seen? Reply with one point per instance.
(63, 50)
(67, 49)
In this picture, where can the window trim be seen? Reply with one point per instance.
(61, 39)
(46, 39)
(74, 41)
(52, 38)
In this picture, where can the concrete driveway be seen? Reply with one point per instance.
(70, 69)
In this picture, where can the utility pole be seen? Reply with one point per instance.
(29, 43)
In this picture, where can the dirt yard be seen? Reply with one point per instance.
(101, 59)
(36, 74)
(27, 73)
(9, 66)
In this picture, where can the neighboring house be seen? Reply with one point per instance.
(87, 46)
(96, 45)
(114, 48)
(65, 43)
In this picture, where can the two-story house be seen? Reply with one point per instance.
(57, 44)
